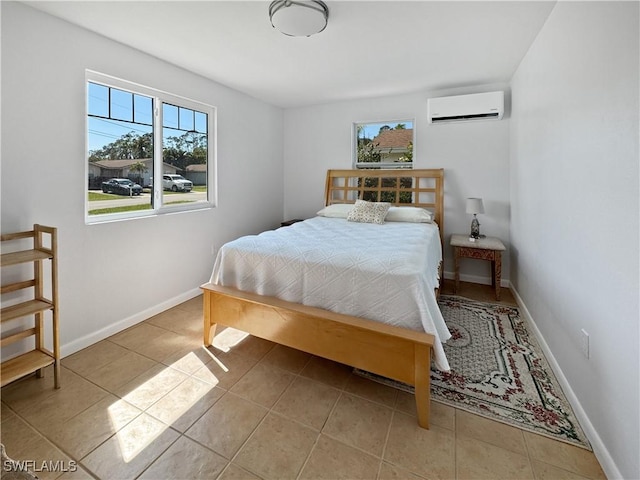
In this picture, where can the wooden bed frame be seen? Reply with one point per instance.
(393, 352)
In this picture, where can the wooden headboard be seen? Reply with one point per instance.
(402, 187)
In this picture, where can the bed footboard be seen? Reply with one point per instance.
(393, 352)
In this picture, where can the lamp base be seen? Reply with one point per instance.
(475, 227)
(474, 239)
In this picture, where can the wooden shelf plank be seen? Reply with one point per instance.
(9, 339)
(24, 256)
(24, 364)
(23, 309)
(14, 287)
(17, 235)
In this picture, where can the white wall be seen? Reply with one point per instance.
(574, 200)
(115, 274)
(475, 157)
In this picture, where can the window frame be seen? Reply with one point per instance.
(157, 207)
(381, 165)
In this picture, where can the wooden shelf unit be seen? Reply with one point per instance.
(39, 357)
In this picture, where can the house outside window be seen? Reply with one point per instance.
(384, 144)
(148, 152)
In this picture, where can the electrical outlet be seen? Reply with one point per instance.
(585, 342)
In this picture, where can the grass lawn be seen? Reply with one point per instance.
(95, 196)
(129, 208)
(126, 208)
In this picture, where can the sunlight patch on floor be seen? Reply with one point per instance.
(138, 435)
(163, 404)
(217, 360)
(229, 338)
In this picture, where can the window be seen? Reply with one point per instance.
(148, 152)
(384, 144)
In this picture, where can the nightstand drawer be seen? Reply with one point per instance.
(468, 252)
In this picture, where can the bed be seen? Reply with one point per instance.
(306, 314)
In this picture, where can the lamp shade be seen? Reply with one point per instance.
(474, 205)
(299, 18)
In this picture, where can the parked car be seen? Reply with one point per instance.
(121, 186)
(176, 183)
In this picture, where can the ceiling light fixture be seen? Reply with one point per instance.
(299, 19)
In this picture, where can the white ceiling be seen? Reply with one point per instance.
(368, 48)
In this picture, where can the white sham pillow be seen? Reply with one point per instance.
(369, 212)
(337, 210)
(409, 214)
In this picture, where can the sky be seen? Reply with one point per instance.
(371, 130)
(111, 117)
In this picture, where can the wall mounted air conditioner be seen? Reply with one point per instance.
(466, 108)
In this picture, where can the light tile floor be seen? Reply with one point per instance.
(151, 403)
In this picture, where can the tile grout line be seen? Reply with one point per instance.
(386, 439)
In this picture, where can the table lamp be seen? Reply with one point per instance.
(475, 206)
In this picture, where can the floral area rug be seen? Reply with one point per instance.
(498, 371)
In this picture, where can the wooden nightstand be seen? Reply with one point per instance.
(487, 248)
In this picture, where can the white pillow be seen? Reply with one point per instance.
(337, 210)
(369, 212)
(409, 214)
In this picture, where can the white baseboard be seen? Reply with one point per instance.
(476, 279)
(599, 448)
(94, 337)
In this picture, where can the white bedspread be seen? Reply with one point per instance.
(383, 272)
